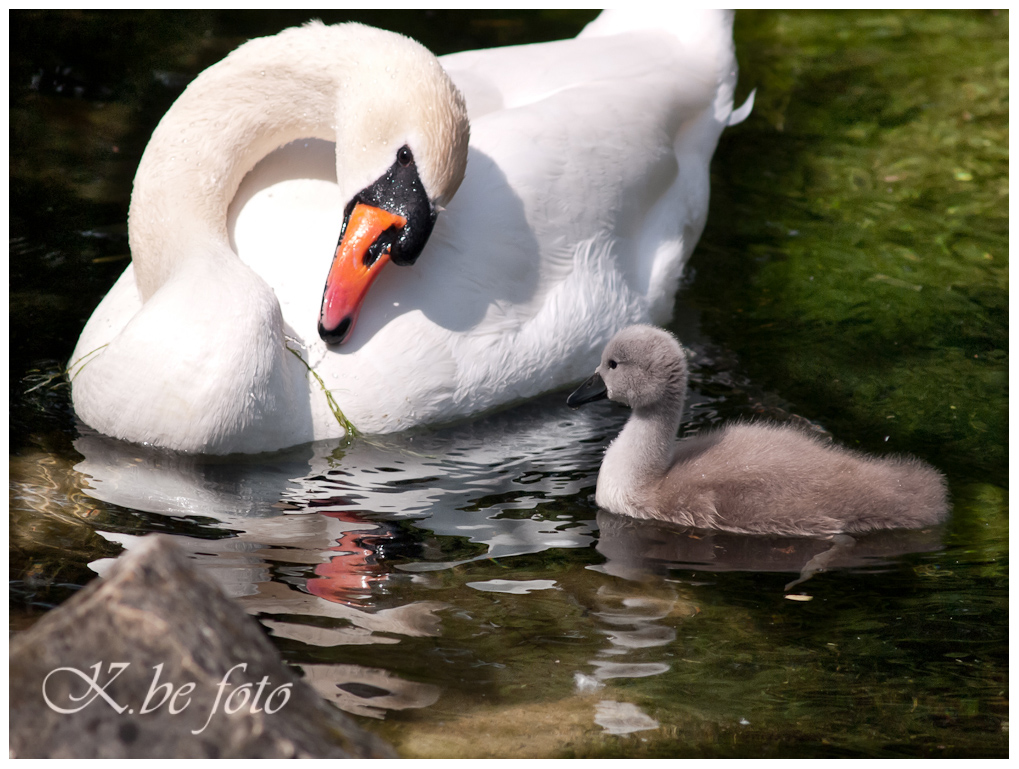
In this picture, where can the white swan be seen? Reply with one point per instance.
(585, 191)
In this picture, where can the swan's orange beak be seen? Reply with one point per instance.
(362, 253)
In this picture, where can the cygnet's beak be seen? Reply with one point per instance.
(593, 389)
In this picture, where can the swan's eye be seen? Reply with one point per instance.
(612, 364)
(404, 156)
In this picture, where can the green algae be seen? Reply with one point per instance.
(855, 260)
(856, 255)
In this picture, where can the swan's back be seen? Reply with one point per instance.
(771, 479)
(692, 51)
(599, 209)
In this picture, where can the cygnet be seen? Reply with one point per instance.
(746, 478)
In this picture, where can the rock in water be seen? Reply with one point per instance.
(156, 662)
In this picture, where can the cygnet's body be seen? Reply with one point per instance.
(744, 478)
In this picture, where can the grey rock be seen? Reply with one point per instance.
(155, 662)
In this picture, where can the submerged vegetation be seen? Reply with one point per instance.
(856, 254)
(854, 272)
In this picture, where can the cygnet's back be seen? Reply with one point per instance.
(746, 478)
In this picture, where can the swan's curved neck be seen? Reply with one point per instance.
(227, 120)
(368, 90)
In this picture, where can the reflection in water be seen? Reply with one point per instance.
(622, 718)
(926, 643)
(640, 612)
(368, 691)
(513, 586)
(491, 483)
(630, 619)
(338, 548)
(349, 576)
(322, 541)
(354, 624)
(517, 453)
(634, 548)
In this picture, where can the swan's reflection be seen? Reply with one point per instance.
(334, 507)
(350, 575)
(330, 518)
(355, 625)
(368, 691)
(470, 480)
(329, 544)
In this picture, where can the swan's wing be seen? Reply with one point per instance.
(586, 189)
(505, 78)
(610, 186)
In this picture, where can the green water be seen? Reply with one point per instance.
(856, 256)
(853, 272)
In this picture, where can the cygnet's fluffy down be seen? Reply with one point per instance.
(744, 478)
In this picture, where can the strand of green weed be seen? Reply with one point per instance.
(345, 423)
(84, 360)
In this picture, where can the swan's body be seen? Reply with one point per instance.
(743, 478)
(585, 192)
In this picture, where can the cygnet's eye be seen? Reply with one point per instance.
(612, 363)
(404, 156)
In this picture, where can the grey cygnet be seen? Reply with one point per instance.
(744, 478)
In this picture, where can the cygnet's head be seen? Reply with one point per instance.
(642, 367)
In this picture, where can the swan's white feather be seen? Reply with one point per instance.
(586, 190)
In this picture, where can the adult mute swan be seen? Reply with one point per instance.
(586, 188)
(742, 478)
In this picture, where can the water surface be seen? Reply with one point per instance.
(456, 587)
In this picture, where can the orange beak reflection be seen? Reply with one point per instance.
(359, 259)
